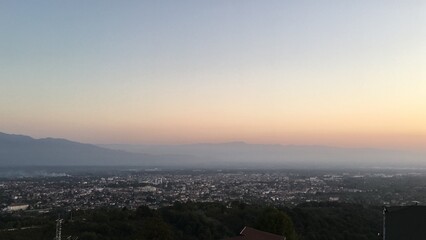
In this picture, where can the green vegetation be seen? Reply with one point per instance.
(192, 221)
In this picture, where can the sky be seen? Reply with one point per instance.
(339, 73)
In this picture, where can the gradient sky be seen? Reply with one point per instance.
(343, 73)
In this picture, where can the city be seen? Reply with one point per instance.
(212, 120)
(158, 188)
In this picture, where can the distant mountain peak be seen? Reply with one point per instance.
(233, 143)
(19, 150)
(14, 137)
(222, 143)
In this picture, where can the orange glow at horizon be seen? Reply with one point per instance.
(349, 134)
(341, 74)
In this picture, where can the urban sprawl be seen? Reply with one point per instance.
(156, 188)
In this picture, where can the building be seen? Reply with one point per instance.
(404, 223)
(16, 207)
(249, 233)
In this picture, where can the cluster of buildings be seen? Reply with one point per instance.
(162, 188)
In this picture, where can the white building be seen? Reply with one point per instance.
(16, 207)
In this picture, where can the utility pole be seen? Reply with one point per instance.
(384, 222)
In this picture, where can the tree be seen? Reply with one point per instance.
(156, 229)
(275, 221)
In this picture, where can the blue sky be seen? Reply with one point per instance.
(305, 72)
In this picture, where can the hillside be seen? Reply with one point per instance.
(18, 150)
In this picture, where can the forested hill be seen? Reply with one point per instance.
(191, 221)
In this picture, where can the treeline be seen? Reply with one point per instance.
(191, 221)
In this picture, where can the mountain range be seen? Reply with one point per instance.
(19, 150)
(244, 155)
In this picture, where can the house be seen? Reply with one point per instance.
(249, 233)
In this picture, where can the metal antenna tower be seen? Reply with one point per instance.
(58, 235)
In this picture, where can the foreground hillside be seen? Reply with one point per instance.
(203, 221)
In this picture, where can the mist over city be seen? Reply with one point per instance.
(137, 120)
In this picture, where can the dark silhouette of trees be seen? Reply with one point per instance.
(191, 221)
